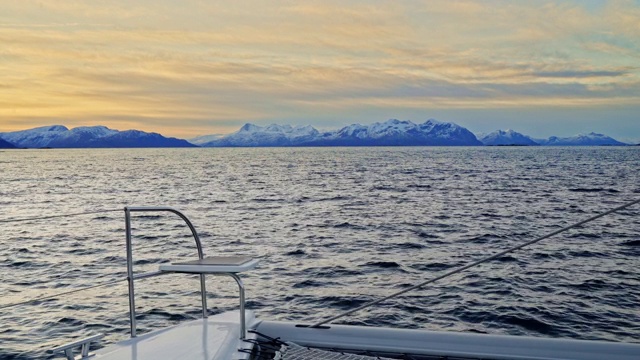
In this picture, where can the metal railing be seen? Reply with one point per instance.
(131, 277)
(83, 344)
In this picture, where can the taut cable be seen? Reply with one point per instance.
(57, 216)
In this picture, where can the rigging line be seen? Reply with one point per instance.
(61, 294)
(58, 216)
(473, 264)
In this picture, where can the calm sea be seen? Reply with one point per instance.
(335, 227)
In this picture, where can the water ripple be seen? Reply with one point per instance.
(334, 228)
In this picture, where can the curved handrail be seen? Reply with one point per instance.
(175, 211)
(130, 277)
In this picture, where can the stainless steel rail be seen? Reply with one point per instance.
(131, 277)
(243, 321)
(83, 344)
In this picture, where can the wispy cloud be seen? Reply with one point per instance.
(185, 68)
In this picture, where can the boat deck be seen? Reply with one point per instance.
(216, 337)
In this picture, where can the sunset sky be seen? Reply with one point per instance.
(189, 68)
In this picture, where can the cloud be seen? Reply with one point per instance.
(225, 63)
(579, 74)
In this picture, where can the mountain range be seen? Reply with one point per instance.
(392, 132)
(389, 133)
(58, 136)
(510, 137)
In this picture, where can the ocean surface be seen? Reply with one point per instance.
(334, 227)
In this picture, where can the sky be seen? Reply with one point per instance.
(189, 68)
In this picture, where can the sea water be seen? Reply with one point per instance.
(334, 228)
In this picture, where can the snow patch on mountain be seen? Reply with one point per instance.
(506, 137)
(272, 135)
(591, 139)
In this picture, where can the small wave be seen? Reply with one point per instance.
(309, 283)
(296, 252)
(84, 251)
(383, 264)
(164, 314)
(15, 356)
(334, 198)
(584, 236)
(419, 186)
(326, 271)
(102, 218)
(148, 261)
(506, 258)
(388, 188)
(409, 245)
(108, 259)
(486, 214)
(591, 285)
(70, 321)
(432, 266)
(481, 239)
(348, 225)
(344, 303)
(426, 235)
(528, 323)
(585, 253)
(631, 243)
(588, 190)
(262, 200)
(558, 256)
(21, 264)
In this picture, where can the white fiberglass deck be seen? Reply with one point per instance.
(216, 337)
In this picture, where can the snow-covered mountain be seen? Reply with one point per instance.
(6, 145)
(251, 135)
(395, 132)
(506, 137)
(34, 138)
(58, 136)
(591, 139)
(389, 133)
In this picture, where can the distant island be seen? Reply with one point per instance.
(58, 136)
(392, 132)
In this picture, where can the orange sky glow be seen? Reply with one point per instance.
(190, 68)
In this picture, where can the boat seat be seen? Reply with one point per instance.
(213, 265)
